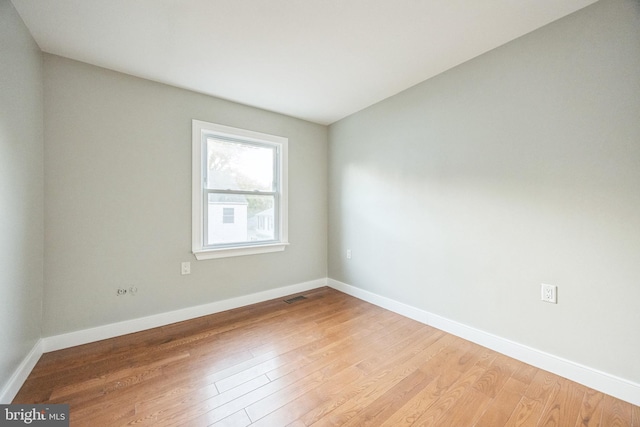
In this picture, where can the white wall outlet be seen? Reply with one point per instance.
(133, 290)
(549, 293)
(185, 268)
(348, 253)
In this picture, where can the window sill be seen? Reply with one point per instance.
(203, 254)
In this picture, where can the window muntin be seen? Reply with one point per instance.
(239, 195)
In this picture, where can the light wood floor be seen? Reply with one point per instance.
(327, 360)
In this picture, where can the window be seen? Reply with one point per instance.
(239, 191)
(228, 215)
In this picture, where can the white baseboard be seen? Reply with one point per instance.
(597, 380)
(12, 387)
(98, 333)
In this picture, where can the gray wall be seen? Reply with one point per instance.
(118, 199)
(21, 191)
(461, 195)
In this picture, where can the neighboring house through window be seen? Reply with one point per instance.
(239, 191)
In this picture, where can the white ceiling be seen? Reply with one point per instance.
(318, 60)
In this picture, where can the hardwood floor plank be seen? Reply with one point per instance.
(635, 416)
(117, 379)
(181, 409)
(616, 413)
(325, 394)
(376, 382)
(411, 410)
(467, 410)
(335, 395)
(494, 378)
(524, 372)
(386, 405)
(372, 332)
(239, 419)
(526, 413)
(310, 374)
(287, 342)
(457, 360)
(503, 405)
(299, 400)
(542, 389)
(280, 397)
(591, 410)
(329, 359)
(564, 408)
(449, 398)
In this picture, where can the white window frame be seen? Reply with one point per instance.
(200, 131)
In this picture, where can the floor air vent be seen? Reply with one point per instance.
(295, 299)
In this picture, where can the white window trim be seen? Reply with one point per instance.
(201, 253)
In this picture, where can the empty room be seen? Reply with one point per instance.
(296, 213)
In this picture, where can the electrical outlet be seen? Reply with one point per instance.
(133, 290)
(121, 291)
(348, 253)
(549, 293)
(185, 268)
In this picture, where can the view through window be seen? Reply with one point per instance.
(241, 192)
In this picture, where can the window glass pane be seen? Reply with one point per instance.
(238, 166)
(253, 218)
(228, 215)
